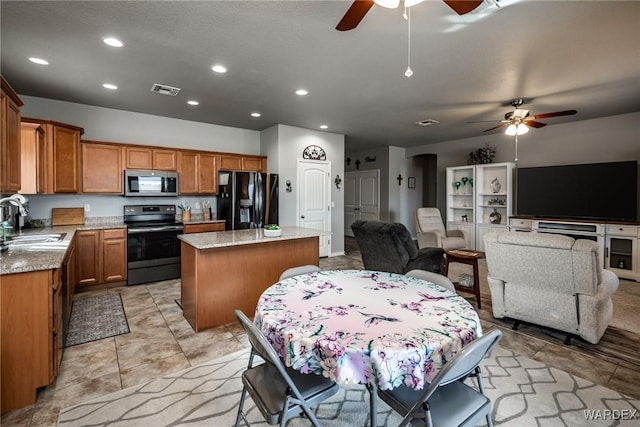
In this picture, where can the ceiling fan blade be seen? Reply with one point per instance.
(495, 127)
(490, 121)
(534, 124)
(556, 114)
(463, 6)
(354, 15)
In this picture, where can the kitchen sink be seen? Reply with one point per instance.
(34, 239)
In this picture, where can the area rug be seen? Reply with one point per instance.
(524, 393)
(96, 318)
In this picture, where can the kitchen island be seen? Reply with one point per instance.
(229, 270)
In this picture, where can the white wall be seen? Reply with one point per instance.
(284, 145)
(106, 124)
(608, 139)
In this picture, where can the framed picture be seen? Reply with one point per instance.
(412, 182)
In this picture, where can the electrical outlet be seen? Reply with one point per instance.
(87, 207)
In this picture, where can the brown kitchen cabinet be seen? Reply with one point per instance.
(114, 255)
(61, 159)
(101, 256)
(137, 157)
(10, 147)
(33, 309)
(102, 170)
(239, 162)
(198, 172)
(32, 154)
(203, 227)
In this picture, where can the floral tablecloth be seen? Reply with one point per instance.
(366, 327)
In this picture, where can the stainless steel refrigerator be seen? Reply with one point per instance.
(247, 199)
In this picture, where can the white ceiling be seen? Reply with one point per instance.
(557, 55)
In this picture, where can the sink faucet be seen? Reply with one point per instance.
(16, 200)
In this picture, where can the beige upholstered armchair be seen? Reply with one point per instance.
(432, 234)
(550, 280)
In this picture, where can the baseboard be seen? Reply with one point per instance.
(340, 253)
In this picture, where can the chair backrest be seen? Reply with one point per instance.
(384, 246)
(294, 271)
(430, 276)
(550, 262)
(260, 345)
(463, 364)
(429, 219)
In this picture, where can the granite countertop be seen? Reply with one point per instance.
(222, 239)
(47, 256)
(199, 219)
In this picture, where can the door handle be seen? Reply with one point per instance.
(356, 209)
(302, 216)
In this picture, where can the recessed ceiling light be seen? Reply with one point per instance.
(112, 41)
(219, 68)
(256, 114)
(324, 127)
(192, 102)
(39, 61)
(301, 92)
(110, 86)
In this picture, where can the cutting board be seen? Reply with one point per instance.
(67, 216)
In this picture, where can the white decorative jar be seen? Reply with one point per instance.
(272, 233)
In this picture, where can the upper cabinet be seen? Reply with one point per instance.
(101, 168)
(137, 157)
(32, 156)
(198, 172)
(238, 162)
(10, 147)
(61, 156)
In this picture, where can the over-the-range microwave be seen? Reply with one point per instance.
(139, 182)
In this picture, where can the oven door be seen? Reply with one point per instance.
(153, 254)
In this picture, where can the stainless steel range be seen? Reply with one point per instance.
(153, 247)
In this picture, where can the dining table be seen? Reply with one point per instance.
(382, 330)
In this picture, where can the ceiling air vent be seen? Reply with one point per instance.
(427, 122)
(165, 90)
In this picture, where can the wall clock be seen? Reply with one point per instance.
(314, 152)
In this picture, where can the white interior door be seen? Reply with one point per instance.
(361, 197)
(314, 199)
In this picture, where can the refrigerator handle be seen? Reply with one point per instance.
(259, 205)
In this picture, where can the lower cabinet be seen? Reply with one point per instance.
(33, 309)
(101, 256)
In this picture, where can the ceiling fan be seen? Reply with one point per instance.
(359, 9)
(519, 120)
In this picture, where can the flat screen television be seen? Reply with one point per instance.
(595, 191)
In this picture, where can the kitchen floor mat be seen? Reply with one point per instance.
(96, 318)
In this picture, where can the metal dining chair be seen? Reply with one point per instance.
(448, 401)
(294, 271)
(279, 392)
(432, 277)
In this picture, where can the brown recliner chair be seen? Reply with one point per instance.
(389, 247)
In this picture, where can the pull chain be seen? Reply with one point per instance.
(407, 14)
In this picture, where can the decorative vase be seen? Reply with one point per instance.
(495, 185)
(495, 217)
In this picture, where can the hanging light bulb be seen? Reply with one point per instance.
(409, 71)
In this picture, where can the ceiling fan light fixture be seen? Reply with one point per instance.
(389, 4)
(516, 129)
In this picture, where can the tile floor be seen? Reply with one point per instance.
(161, 341)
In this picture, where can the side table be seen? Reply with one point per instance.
(469, 257)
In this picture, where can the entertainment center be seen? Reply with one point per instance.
(595, 201)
